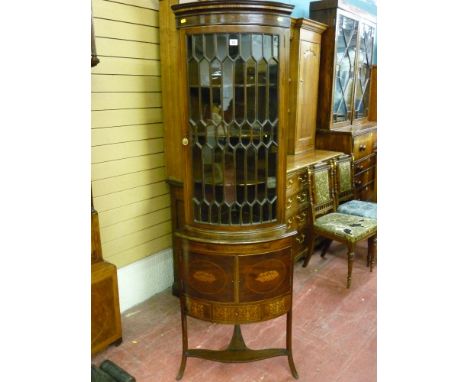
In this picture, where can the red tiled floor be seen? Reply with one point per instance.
(334, 332)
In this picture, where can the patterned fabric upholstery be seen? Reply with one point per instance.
(344, 171)
(359, 208)
(349, 227)
(322, 187)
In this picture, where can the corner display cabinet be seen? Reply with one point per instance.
(344, 88)
(233, 250)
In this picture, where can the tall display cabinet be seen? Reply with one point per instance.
(343, 122)
(232, 246)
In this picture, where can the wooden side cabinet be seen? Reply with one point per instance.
(106, 326)
(303, 84)
(361, 143)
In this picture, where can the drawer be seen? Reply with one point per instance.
(365, 163)
(364, 178)
(296, 202)
(301, 242)
(299, 220)
(296, 181)
(367, 192)
(363, 145)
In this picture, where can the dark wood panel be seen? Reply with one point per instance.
(209, 277)
(264, 276)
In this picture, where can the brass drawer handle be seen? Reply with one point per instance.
(301, 217)
(358, 182)
(290, 183)
(302, 179)
(360, 167)
(302, 197)
(300, 238)
(290, 221)
(362, 147)
(289, 203)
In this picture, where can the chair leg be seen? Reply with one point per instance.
(311, 251)
(325, 247)
(372, 251)
(350, 264)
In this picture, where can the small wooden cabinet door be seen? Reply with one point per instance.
(306, 37)
(309, 56)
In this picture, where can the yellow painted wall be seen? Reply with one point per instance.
(127, 153)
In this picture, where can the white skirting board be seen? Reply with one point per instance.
(144, 278)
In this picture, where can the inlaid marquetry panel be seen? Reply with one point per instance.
(264, 276)
(209, 277)
(237, 313)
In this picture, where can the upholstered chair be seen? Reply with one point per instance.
(347, 204)
(332, 225)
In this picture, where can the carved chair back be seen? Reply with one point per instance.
(344, 174)
(321, 189)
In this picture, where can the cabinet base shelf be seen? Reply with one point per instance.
(237, 352)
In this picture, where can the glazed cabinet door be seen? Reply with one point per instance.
(363, 72)
(345, 62)
(233, 82)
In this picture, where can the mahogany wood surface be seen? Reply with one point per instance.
(227, 273)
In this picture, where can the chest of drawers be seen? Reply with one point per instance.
(297, 207)
(361, 143)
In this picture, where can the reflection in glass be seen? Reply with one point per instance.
(346, 39)
(361, 98)
(233, 115)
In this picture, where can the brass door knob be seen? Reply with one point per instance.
(185, 141)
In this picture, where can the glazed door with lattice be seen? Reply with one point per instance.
(345, 61)
(233, 127)
(364, 65)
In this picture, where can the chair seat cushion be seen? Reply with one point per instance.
(359, 208)
(351, 228)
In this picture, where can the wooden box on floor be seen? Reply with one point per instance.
(106, 327)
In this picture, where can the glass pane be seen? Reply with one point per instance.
(233, 45)
(257, 45)
(193, 73)
(194, 111)
(346, 38)
(221, 46)
(233, 114)
(215, 72)
(361, 98)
